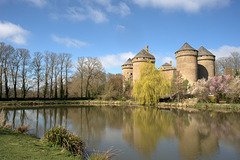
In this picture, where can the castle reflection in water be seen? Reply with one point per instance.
(141, 132)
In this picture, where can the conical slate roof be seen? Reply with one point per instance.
(128, 62)
(144, 54)
(204, 52)
(166, 64)
(186, 47)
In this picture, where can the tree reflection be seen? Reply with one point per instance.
(144, 128)
(37, 122)
(13, 118)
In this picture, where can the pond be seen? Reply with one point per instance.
(141, 132)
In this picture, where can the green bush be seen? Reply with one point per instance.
(59, 136)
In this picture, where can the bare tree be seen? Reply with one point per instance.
(113, 88)
(225, 65)
(61, 62)
(235, 60)
(9, 50)
(2, 48)
(53, 63)
(14, 66)
(47, 70)
(68, 65)
(56, 72)
(93, 68)
(25, 56)
(80, 66)
(37, 69)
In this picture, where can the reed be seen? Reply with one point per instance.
(60, 136)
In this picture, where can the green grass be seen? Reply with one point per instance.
(21, 146)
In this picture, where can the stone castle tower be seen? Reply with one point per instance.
(192, 64)
(127, 69)
(206, 64)
(131, 67)
(186, 58)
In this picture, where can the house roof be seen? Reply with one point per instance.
(144, 54)
(204, 52)
(185, 47)
(128, 62)
(166, 64)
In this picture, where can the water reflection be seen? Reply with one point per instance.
(141, 133)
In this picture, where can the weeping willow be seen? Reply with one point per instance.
(152, 85)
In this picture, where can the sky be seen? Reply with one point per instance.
(115, 30)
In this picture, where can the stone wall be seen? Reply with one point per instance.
(206, 67)
(187, 65)
(137, 63)
(127, 72)
(169, 73)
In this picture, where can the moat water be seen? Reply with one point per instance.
(143, 132)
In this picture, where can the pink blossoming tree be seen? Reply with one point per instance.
(219, 86)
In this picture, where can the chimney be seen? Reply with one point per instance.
(146, 48)
(171, 63)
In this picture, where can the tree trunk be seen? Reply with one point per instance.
(61, 85)
(38, 83)
(1, 81)
(87, 87)
(46, 85)
(56, 86)
(23, 84)
(66, 85)
(6, 83)
(81, 85)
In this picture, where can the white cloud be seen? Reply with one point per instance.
(38, 3)
(224, 51)
(69, 42)
(96, 15)
(187, 5)
(115, 60)
(168, 59)
(13, 33)
(95, 10)
(121, 9)
(80, 14)
(120, 28)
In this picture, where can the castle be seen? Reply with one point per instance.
(192, 64)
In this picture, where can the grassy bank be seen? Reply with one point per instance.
(19, 104)
(21, 146)
(201, 106)
(72, 103)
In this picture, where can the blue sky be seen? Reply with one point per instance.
(114, 30)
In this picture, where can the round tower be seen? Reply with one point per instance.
(206, 63)
(142, 57)
(127, 69)
(186, 58)
(168, 69)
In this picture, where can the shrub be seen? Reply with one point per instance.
(201, 90)
(23, 129)
(219, 86)
(59, 136)
(110, 154)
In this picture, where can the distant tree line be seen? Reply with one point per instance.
(50, 75)
(228, 65)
